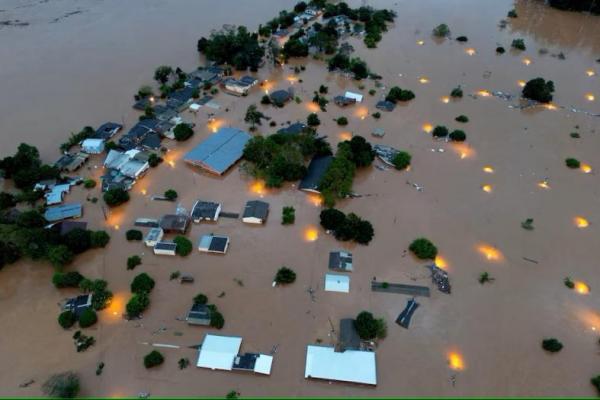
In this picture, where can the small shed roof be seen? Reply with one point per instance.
(385, 105)
(107, 130)
(218, 352)
(294, 129)
(356, 96)
(213, 243)
(340, 260)
(348, 338)
(280, 96)
(169, 246)
(357, 366)
(263, 364)
(174, 222)
(337, 283)
(219, 151)
(256, 209)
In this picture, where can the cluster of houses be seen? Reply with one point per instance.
(255, 212)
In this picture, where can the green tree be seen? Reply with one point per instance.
(462, 118)
(171, 195)
(99, 239)
(518, 44)
(439, 131)
(183, 132)
(115, 197)
(595, 381)
(253, 116)
(134, 234)
(457, 136)
(441, 31)
(87, 318)
(368, 327)
(423, 249)
(539, 89)
(66, 319)
(68, 279)
(137, 304)
(133, 262)
(163, 73)
(184, 245)
(200, 299)
(332, 219)
(153, 359)
(63, 386)
(7, 200)
(78, 240)
(552, 345)
(313, 120)
(217, 320)
(401, 160)
(31, 219)
(142, 283)
(342, 121)
(60, 255)
(285, 276)
(572, 163)
(288, 216)
(154, 160)
(398, 94)
(457, 92)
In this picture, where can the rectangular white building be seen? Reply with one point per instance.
(356, 366)
(337, 283)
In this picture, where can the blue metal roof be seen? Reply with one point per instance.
(219, 151)
(73, 210)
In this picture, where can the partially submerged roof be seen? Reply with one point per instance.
(174, 222)
(219, 151)
(213, 244)
(65, 227)
(256, 209)
(205, 210)
(199, 314)
(348, 338)
(356, 366)
(218, 352)
(165, 246)
(385, 105)
(340, 260)
(355, 96)
(259, 363)
(280, 96)
(64, 211)
(294, 129)
(107, 130)
(316, 169)
(337, 283)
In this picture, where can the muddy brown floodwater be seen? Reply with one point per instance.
(65, 70)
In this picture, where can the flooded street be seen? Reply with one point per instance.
(79, 63)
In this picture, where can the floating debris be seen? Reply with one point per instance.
(440, 278)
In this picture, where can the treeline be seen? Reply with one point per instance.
(25, 168)
(337, 180)
(234, 46)
(282, 157)
(592, 6)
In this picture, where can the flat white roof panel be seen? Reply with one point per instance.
(263, 364)
(337, 283)
(218, 352)
(356, 96)
(356, 366)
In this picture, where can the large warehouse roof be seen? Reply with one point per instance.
(218, 352)
(219, 151)
(323, 362)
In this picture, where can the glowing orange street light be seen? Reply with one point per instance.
(487, 188)
(420, 42)
(489, 252)
(470, 51)
(581, 287)
(526, 61)
(427, 128)
(423, 79)
(521, 83)
(590, 72)
(456, 361)
(590, 97)
(445, 99)
(488, 169)
(311, 234)
(441, 262)
(581, 222)
(586, 168)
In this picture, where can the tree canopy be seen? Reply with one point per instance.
(539, 89)
(236, 47)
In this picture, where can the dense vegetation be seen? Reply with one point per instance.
(288, 215)
(552, 345)
(539, 89)
(63, 386)
(592, 6)
(368, 327)
(401, 160)
(285, 276)
(25, 168)
(357, 67)
(141, 286)
(153, 359)
(423, 249)
(337, 180)
(236, 47)
(281, 157)
(184, 245)
(398, 94)
(347, 227)
(115, 197)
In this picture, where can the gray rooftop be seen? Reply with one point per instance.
(204, 210)
(220, 151)
(256, 209)
(316, 169)
(63, 211)
(340, 260)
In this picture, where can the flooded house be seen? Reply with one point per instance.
(255, 212)
(175, 223)
(92, 146)
(107, 131)
(316, 169)
(222, 353)
(213, 244)
(337, 283)
(165, 248)
(64, 211)
(293, 129)
(205, 211)
(199, 314)
(340, 261)
(153, 237)
(78, 304)
(352, 366)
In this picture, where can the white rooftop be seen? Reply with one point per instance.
(218, 352)
(356, 96)
(323, 362)
(263, 364)
(337, 283)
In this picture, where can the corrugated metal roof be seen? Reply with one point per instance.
(219, 151)
(323, 362)
(316, 169)
(64, 211)
(337, 283)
